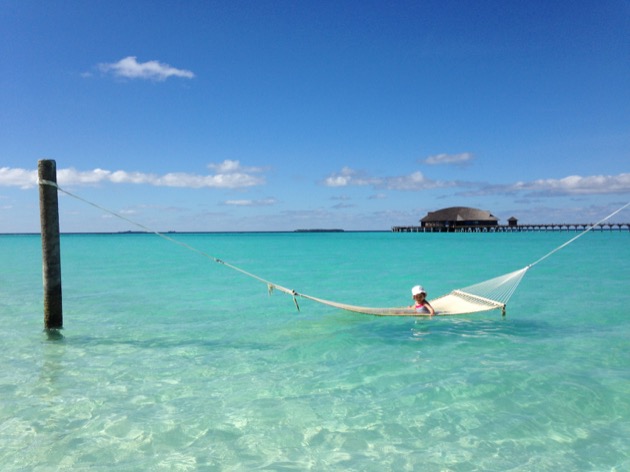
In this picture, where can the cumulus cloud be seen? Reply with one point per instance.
(22, 178)
(577, 185)
(415, 181)
(340, 179)
(228, 174)
(347, 177)
(449, 159)
(130, 68)
(231, 167)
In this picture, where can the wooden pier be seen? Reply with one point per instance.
(513, 228)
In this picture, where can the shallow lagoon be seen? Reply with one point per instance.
(169, 361)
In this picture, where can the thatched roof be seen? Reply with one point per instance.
(460, 214)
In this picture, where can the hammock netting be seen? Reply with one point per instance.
(492, 294)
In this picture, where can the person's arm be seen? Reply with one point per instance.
(430, 308)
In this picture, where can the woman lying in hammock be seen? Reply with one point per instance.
(421, 305)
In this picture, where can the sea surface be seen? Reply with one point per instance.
(171, 361)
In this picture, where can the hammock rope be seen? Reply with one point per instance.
(591, 227)
(490, 294)
(271, 286)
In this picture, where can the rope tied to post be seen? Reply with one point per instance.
(269, 284)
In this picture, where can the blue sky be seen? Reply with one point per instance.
(279, 115)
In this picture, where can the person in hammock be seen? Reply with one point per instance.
(422, 305)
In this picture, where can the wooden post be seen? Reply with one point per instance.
(51, 253)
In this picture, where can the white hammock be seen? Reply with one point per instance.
(492, 294)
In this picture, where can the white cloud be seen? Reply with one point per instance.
(349, 176)
(122, 177)
(130, 68)
(91, 177)
(229, 166)
(337, 181)
(17, 177)
(454, 159)
(180, 179)
(250, 203)
(417, 181)
(230, 175)
(578, 185)
(341, 179)
(414, 181)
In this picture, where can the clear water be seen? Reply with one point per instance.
(169, 361)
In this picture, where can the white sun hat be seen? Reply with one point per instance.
(417, 290)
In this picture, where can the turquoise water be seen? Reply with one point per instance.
(169, 361)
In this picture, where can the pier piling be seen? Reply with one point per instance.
(51, 251)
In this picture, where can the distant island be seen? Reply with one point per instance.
(319, 230)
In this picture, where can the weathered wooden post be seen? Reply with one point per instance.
(51, 252)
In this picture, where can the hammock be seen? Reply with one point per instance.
(492, 294)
